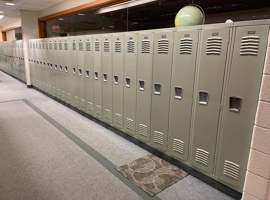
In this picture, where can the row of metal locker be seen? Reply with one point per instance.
(12, 59)
(189, 92)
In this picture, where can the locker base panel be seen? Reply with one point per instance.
(195, 173)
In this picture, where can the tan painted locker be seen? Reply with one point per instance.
(241, 99)
(97, 76)
(68, 71)
(89, 75)
(144, 85)
(118, 80)
(81, 73)
(107, 78)
(74, 68)
(182, 85)
(162, 64)
(208, 95)
(130, 68)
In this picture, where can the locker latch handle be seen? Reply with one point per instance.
(203, 97)
(157, 87)
(105, 77)
(73, 71)
(115, 79)
(87, 74)
(61, 68)
(96, 75)
(80, 72)
(178, 92)
(66, 69)
(235, 104)
(128, 82)
(55, 67)
(50, 66)
(141, 85)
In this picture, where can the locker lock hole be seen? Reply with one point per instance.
(115, 79)
(55, 67)
(73, 70)
(128, 82)
(105, 77)
(61, 68)
(80, 72)
(235, 104)
(96, 75)
(178, 92)
(87, 74)
(66, 69)
(141, 85)
(203, 97)
(157, 88)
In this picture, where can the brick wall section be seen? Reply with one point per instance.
(257, 184)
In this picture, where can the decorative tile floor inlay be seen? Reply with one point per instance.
(152, 174)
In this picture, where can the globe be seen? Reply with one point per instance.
(188, 16)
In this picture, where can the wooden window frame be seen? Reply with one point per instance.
(4, 32)
(73, 11)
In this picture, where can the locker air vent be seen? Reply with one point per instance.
(213, 46)
(231, 169)
(106, 46)
(60, 46)
(90, 107)
(143, 130)
(97, 47)
(118, 119)
(163, 46)
(82, 103)
(129, 124)
(186, 46)
(55, 46)
(202, 156)
(145, 46)
(178, 146)
(80, 46)
(130, 47)
(249, 46)
(107, 114)
(74, 46)
(98, 110)
(117, 46)
(158, 137)
(88, 46)
(66, 46)
(50, 45)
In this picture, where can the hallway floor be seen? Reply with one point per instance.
(50, 152)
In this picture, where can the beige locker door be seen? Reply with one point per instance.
(208, 96)
(74, 70)
(162, 65)
(107, 78)
(118, 80)
(144, 85)
(130, 65)
(89, 75)
(81, 73)
(182, 85)
(68, 70)
(240, 104)
(97, 77)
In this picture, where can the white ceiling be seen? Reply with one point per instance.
(12, 13)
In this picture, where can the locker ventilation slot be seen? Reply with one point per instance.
(129, 124)
(82, 103)
(97, 48)
(231, 169)
(88, 46)
(158, 137)
(106, 46)
(98, 110)
(143, 130)
(186, 46)
(55, 46)
(118, 119)
(202, 156)
(249, 46)
(60, 46)
(213, 46)
(163, 46)
(90, 107)
(117, 46)
(130, 47)
(74, 46)
(80, 46)
(107, 114)
(146, 46)
(66, 46)
(178, 146)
